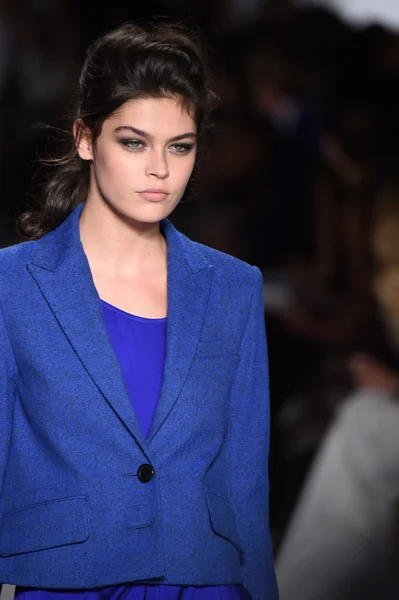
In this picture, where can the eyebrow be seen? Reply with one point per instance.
(131, 129)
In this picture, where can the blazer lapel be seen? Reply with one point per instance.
(61, 271)
(189, 278)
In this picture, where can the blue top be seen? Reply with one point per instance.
(139, 345)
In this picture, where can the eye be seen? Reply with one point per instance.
(182, 148)
(132, 144)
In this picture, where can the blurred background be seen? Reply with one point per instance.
(301, 180)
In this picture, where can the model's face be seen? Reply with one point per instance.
(143, 159)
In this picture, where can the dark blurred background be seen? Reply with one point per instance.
(301, 178)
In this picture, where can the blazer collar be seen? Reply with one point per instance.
(61, 270)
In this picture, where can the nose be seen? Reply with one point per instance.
(157, 165)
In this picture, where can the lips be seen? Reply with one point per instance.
(154, 194)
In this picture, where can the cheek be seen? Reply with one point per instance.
(118, 167)
(183, 170)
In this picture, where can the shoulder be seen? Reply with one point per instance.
(235, 284)
(13, 261)
(17, 254)
(230, 268)
(226, 262)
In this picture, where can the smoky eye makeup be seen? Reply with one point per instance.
(131, 143)
(182, 147)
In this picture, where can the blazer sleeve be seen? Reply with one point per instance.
(249, 452)
(8, 381)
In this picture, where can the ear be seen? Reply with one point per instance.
(83, 140)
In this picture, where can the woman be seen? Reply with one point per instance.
(134, 421)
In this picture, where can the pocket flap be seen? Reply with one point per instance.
(43, 526)
(222, 518)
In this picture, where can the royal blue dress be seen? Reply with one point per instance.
(140, 346)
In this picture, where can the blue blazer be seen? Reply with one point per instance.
(76, 509)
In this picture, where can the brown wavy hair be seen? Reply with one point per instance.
(130, 62)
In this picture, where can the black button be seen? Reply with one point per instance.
(145, 473)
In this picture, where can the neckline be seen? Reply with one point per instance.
(130, 315)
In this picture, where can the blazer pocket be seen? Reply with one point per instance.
(44, 526)
(222, 519)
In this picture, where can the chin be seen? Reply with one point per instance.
(148, 216)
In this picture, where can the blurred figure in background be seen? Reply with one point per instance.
(342, 539)
(330, 309)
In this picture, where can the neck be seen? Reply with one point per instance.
(116, 245)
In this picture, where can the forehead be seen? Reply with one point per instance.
(160, 117)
